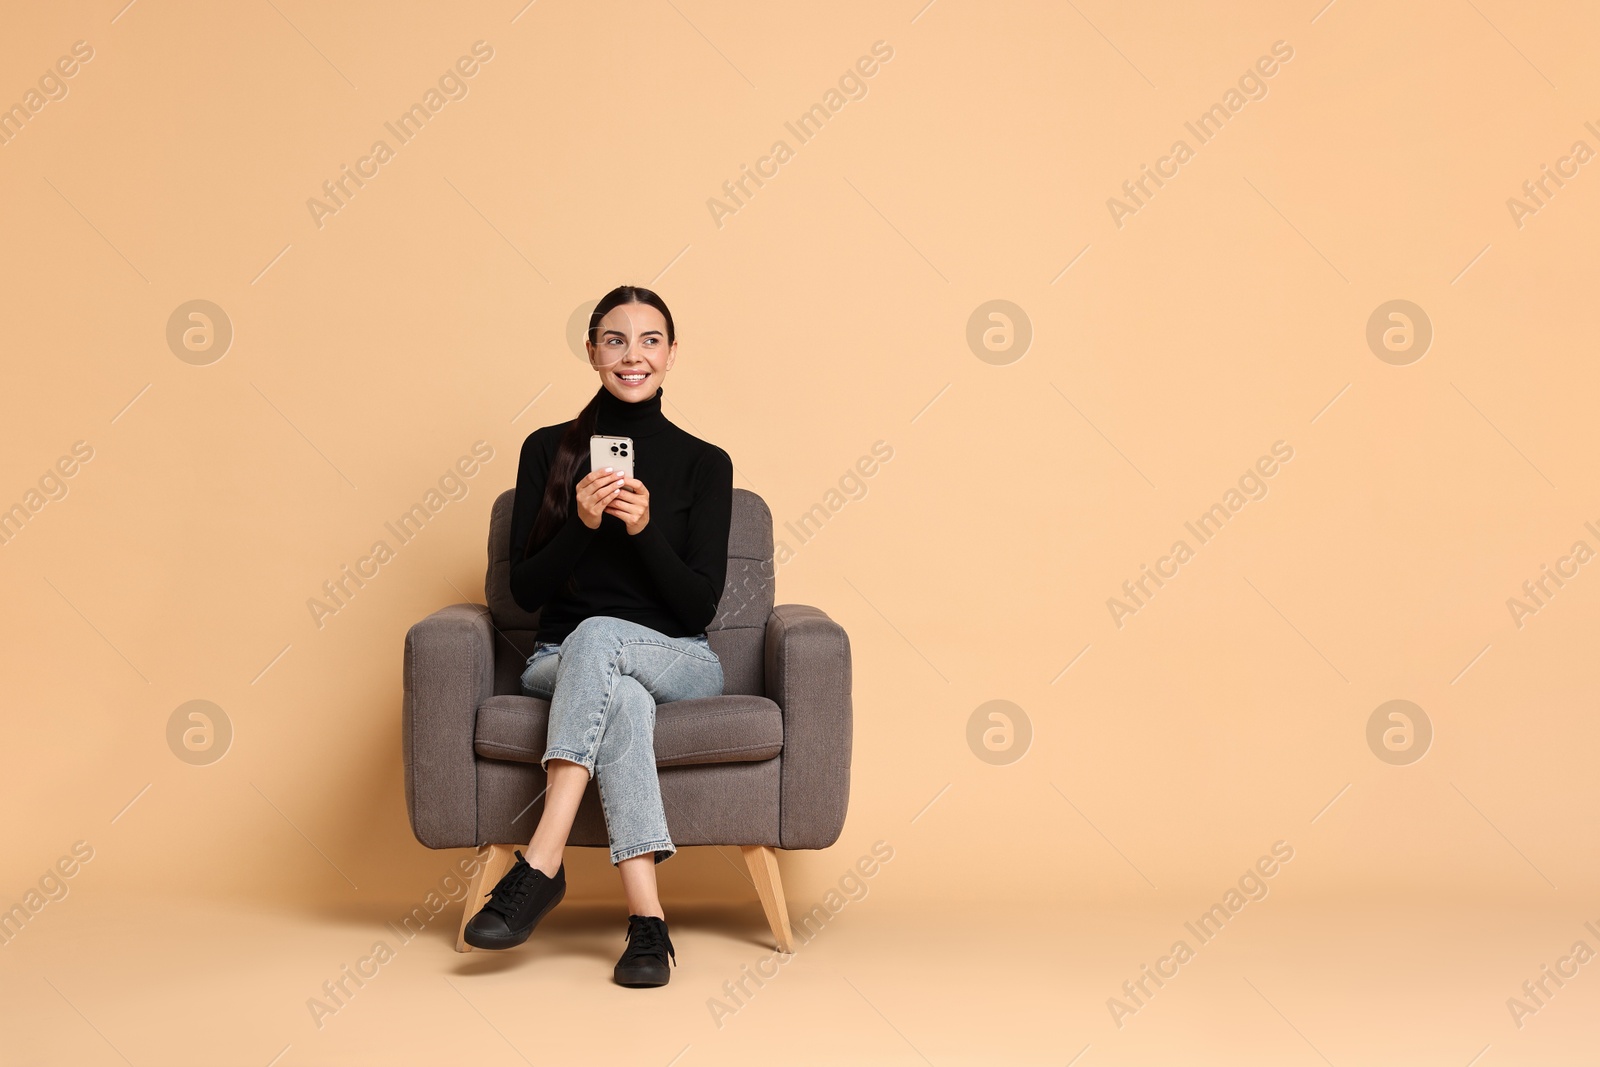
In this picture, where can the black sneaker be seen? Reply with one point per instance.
(516, 904)
(644, 961)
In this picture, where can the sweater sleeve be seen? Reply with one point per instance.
(691, 583)
(535, 578)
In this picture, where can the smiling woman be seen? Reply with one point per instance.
(626, 574)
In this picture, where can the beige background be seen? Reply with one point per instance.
(830, 312)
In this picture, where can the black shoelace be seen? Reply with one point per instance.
(509, 893)
(649, 938)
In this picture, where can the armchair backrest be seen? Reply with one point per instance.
(737, 634)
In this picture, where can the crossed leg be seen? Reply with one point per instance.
(603, 687)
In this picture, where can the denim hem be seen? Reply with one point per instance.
(567, 754)
(662, 849)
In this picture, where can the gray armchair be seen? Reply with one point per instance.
(764, 766)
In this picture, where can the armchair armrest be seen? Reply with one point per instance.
(449, 671)
(808, 677)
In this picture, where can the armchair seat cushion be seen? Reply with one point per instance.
(722, 729)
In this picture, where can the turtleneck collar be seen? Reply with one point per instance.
(621, 418)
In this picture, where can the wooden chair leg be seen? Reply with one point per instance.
(763, 863)
(489, 874)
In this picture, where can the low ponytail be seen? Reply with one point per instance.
(558, 487)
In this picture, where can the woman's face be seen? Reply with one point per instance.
(632, 356)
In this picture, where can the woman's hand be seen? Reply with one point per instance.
(595, 491)
(631, 504)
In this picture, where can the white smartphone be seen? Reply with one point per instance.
(615, 452)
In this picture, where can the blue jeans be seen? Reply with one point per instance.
(603, 683)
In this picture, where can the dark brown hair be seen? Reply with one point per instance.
(560, 485)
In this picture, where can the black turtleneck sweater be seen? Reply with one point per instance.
(669, 575)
